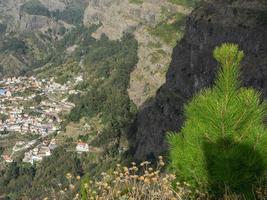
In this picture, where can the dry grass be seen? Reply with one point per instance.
(143, 182)
(137, 183)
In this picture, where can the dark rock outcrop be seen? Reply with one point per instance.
(193, 68)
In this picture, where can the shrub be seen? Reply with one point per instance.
(222, 145)
(14, 45)
(34, 7)
(3, 28)
(191, 3)
(135, 182)
(73, 13)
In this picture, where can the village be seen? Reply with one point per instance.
(30, 111)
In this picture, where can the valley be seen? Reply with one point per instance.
(96, 94)
(157, 26)
(107, 69)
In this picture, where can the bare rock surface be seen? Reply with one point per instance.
(18, 21)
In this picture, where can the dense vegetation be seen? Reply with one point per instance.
(2, 28)
(23, 52)
(106, 66)
(109, 64)
(222, 145)
(262, 16)
(136, 1)
(39, 181)
(35, 7)
(186, 2)
(72, 14)
(170, 33)
(14, 45)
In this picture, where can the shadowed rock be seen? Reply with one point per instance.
(193, 68)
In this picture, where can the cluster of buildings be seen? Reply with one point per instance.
(18, 84)
(25, 124)
(28, 108)
(13, 95)
(40, 151)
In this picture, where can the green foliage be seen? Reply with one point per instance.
(16, 178)
(222, 144)
(42, 180)
(62, 30)
(185, 2)
(170, 32)
(262, 15)
(15, 45)
(136, 1)
(2, 28)
(83, 190)
(35, 7)
(83, 138)
(109, 64)
(1, 150)
(52, 168)
(38, 99)
(3, 117)
(80, 36)
(73, 13)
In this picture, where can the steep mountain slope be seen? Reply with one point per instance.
(30, 28)
(156, 25)
(47, 38)
(38, 24)
(192, 67)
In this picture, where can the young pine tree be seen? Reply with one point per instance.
(223, 143)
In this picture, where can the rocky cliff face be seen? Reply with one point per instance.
(119, 16)
(19, 21)
(193, 68)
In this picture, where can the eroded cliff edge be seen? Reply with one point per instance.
(193, 68)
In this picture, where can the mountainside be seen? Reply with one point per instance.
(91, 85)
(192, 67)
(111, 55)
(33, 27)
(156, 25)
(29, 30)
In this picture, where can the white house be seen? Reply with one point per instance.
(52, 144)
(44, 151)
(28, 157)
(82, 147)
